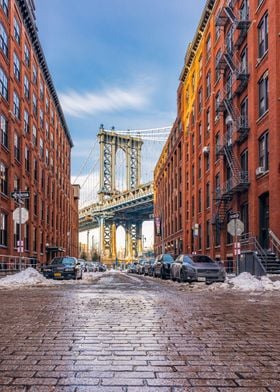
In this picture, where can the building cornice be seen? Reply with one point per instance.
(192, 47)
(33, 35)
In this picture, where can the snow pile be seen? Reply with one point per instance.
(28, 277)
(247, 282)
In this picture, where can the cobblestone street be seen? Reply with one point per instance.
(130, 333)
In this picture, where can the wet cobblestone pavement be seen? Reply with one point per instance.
(129, 333)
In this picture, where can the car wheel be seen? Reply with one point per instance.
(172, 276)
(154, 274)
(182, 276)
(162, 274)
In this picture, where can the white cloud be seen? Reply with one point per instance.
(113, 99)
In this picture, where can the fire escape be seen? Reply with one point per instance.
(235, 71)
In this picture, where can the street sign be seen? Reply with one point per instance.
(20, 249)
(20, 195)
(235, 227)
(24, 215)
(196, 230)
(20, 243)
(234, 215)
(237, 248)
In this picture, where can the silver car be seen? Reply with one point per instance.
(194, 268)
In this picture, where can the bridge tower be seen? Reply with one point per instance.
(110, 142)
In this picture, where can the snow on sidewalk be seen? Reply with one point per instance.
(247, 282)
(28, 277)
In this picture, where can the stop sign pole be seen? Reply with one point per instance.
(19, 197)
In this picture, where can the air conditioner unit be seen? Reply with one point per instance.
(205, 150)
(260, 170)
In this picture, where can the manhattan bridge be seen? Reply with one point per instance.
(117, 189)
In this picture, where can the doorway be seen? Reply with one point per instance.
(264, 220)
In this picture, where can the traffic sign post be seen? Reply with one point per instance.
(235, 227)
(20, 216)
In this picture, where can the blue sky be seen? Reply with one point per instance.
(115, 62)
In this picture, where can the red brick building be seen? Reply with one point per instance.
(35, 143)
(228, 129)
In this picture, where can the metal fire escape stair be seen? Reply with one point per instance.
(241, 22)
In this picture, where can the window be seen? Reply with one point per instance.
(199, 133)
(244, 112)
(199, 167)
(208, 120)
(199, 200)
(217, 185)
(35, 204)
(200, 100)
(4, 5)
(47, 157)
(208, 47)
(26, 88)
(17, 146)
(16, 105)
(16, 67)
(217, 105)
(244, 60)
(218, 58)
(229, 86)
(3, 229)
(16, 183)
(35, 107)
(207, 195)
(244, 161)
(208, 234)
(27, 159)
(41, 148)
(47, 105)
(34, 74)
(244, 10)
(263, 94)
(35, 169)
(3, 40)
(34, 135)
(41, 119)
(4, 131)
(244, 215)
(263, 36)
(217, 32)
(41, 91)
(208, 84)
(16, 31)
(264, 151)
(26, 55)
(200, 66)
(229, 41)
(26, 121)
(3, 84)
(207, 160)
(3, 178)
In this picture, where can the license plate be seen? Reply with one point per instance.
(201, 279)
(57, 274)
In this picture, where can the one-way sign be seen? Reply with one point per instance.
(20, 195)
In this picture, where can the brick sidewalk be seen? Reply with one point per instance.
(138, 334)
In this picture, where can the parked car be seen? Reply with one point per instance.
(189, 268)
(140, 266)
(162, 265)
(89, 266)
(63, 268)
(149, 267)
(132, 268)
(83, 264)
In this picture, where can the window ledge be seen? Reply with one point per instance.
(260, 60)
(262, 175)
(262, 117)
